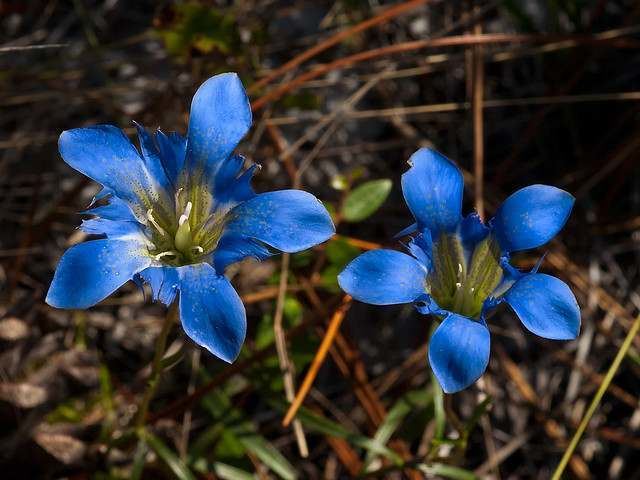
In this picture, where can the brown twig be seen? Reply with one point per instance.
(478, 125)
(451, 41)
(323, 349)
(379, 19)
(286, 366)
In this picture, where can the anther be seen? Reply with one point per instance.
(458, 285)
(154, 223)
(177, 194)
(198, 249)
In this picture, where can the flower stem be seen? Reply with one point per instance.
(597, 398)
(156, 366)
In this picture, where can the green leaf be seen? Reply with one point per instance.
(292, 310)
(364, 200)
(269, 455)
(329, 278)
(227, 472)
(179, 469)
(202, 28)
(447, 471)
(412, 401)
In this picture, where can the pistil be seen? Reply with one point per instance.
(183, 240)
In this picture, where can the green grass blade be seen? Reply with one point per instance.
(438, 408)
(228, 472)
(320, 424)
(179, 469)
(440, 470)
(624, 348)
(269, 455)
(412, 401)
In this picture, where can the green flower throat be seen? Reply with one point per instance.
(460, 282)
(186, 235)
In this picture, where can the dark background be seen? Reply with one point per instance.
(561, 108)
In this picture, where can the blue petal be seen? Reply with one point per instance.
(164, 283)
(426, 305)
(472, 231)
(115, 209)
(421, 247)
(115, 229)
(91, 271)
(531, 217)
(383, 277)
(106, 155)
(432, 188)
(101, 195)
(288, 220)
(151, 156)
(546, 306)
(406, 231)
(220, 117)
(211, 311)
(459, 352)
(173, 149)
(232, 185)
(234, 248)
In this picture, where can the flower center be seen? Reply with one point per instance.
(183, 238)
(459, 281)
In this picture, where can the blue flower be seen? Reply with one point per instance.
(458, 267)
(176, 213)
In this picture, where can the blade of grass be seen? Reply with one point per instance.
(139, 460)
(438, 408)
(179, 469)
(269, 455)
(320, 424)
(227, 472)
(447, 471)
(622, 352)
(412, 401)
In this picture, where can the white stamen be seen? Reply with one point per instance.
(166, 254)
(458, 285)
(154, 223)
(473, 289)
(198, 249)
(460, 268)
(185, 216)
